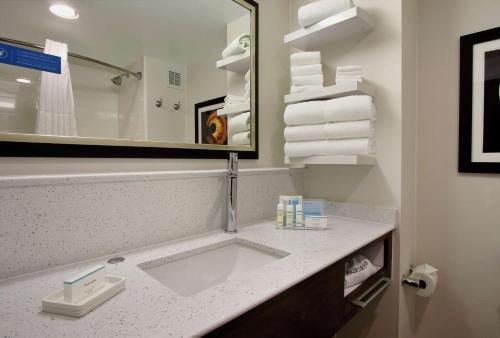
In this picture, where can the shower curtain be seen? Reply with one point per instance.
(56, 108)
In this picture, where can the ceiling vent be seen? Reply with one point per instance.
(174, 79)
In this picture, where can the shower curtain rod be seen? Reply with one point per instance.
(137, 75)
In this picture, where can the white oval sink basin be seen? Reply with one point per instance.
(190, 272)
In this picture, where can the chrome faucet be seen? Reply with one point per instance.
(232, 193)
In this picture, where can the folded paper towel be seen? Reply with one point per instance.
(319, 10)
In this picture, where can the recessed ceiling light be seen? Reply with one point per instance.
(64, 11)
(23, 80)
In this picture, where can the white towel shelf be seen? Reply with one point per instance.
(325, 160)
(337, 27)
(236, 63)
(331, 92)
(234, 109)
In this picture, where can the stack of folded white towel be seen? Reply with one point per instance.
(342, 126)
(232, 100)
(306, 70)
(238, 46)
(348, 74)
(239, 129)
(319, 10)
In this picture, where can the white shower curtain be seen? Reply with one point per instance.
(56, 108)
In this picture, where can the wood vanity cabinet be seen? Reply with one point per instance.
(315, 307)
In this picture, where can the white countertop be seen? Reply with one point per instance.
(147, 308)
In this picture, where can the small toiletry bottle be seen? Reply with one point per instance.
(289, 214)
(298, 215)
(280, 215)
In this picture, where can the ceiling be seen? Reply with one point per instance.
(121, 31)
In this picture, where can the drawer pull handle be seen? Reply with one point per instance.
(366, 297)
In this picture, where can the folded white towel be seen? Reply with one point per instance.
(235, 99)
(237, 46)
(353, 146)
(319, 10)
(350, 108)
(358, 269)
(311, 112)
(341, 81)
(330, 131)
(247, 76)
(349, 68)
(348, 77)
(305, 58)
(241, 139)
(301, 89)
(239, 123)
(308, 80)
(306, 70)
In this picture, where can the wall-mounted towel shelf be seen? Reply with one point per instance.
(327, 160)
(237, 63)
(337, 27)
(331, 92)
(234, 109)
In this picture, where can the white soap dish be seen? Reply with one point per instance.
(55, 303)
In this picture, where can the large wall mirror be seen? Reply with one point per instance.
(128, 78)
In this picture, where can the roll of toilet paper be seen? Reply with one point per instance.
(428, 274)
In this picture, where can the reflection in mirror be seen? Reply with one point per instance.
(175, 71)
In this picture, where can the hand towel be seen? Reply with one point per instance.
(239, 123)
(237, 46)
(311, 112)
(358, 269)
(330, 131)
(353, 146)
(340, 81)
(301, 89)
(349, 73)
(308, 80)
(319, 10)
(349, 68)
(241, 139)
(305, 58)
(306, 70)
(349, 108)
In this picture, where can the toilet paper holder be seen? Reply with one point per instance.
(416, 283)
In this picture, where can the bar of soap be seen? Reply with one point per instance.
(84, 284)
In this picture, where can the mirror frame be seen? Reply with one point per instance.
(31, 145)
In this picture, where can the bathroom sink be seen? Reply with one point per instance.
(190, 272)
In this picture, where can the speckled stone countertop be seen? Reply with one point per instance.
(147, 308)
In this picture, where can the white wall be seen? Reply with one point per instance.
(458, 227)
(273, 81)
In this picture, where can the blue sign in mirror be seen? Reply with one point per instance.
(27, 58)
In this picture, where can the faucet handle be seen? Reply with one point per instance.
(232, 163)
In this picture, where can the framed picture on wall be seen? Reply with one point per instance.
(479, 124)
(209, 127)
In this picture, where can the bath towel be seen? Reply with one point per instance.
(354, 146)
(330, 131)
(349, 108)
(237, 46)
(235, 99)
(311, 112)
(306, 70)
(240, 139)
(308, 80)
(319, 10)
(305, 58)
(239, 123)
(301, 89)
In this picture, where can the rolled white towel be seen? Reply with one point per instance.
(330, 131)
(349, 108)
(301, 89)
(311, 112)
(308, 80)
(306, 70)
(319, 10)
(305, 58)
(353, 146)
(239, 123)
(240, 139)
(237, 46)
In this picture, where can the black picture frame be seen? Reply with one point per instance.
(197, 107)
(42, 149)
(465, 142)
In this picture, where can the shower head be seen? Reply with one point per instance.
(117, 80)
